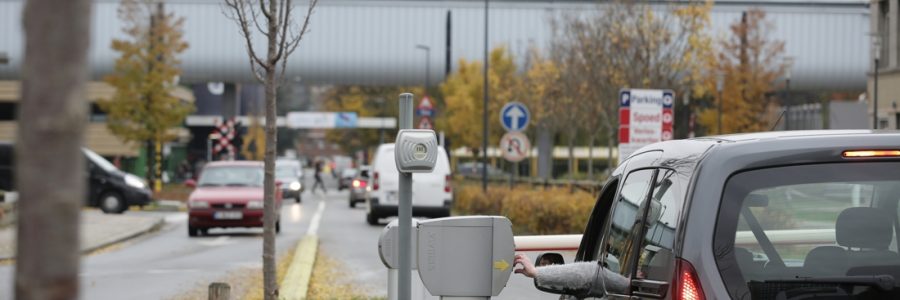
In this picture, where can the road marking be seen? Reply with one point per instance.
(175, 218)
(296, 213)
(316, 219)
(219, 241)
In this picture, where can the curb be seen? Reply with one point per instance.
(296, 282)
(155, 226)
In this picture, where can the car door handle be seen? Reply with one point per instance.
(649, 288)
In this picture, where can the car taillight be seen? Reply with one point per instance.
(355, 183)
(447, 187)
(871, 153)
(359, 183)
(375, 181)
(687, 283)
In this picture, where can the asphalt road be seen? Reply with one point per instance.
(167, 263)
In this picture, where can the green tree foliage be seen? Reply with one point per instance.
(365, 101)
(143, 107)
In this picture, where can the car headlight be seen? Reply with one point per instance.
(134, 181)
(295, 185)
(255, 204)
(198, 204)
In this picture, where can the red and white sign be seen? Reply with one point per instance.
(425, 123)
(515, 146)
(425, 108)
(645, 117)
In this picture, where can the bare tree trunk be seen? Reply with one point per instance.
(50, 166)
(270, 279)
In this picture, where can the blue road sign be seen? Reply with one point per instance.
(345, 120)
(514, 116)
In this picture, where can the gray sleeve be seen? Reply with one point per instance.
(579, 279)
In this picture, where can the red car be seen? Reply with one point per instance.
(228, 194)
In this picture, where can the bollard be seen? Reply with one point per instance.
(219, 291)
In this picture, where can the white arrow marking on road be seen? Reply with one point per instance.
(515, 113)
(316, 219)
(219, 241)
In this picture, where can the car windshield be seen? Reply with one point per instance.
(834, 227)
(232, 176)
(99, 161)
(285, 172)
(348, 173)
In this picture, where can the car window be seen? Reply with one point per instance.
(811, 221)
(231, 176)
(285, 172)
(616, 254)
(656, 258)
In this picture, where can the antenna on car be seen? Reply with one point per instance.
(779, 119)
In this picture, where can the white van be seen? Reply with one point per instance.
(432, 193)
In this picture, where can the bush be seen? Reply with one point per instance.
(532, 211)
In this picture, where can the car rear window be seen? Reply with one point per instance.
(810, 230)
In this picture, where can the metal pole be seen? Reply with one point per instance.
(208, 150)
(427, 68)
(404, 210)
(720, 113)
(875, 97)
(484, 106)
(787, 99)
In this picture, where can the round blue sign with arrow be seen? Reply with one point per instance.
(514, 116)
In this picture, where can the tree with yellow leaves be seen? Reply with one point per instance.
(143, 108)
(463, 96)
(749, 63)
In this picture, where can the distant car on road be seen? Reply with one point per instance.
(359, 186)
(290, 173)
(229, 194)
(346, 178)
(108, 188)
(432, 195)
(473, 169)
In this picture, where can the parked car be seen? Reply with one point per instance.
(432, 193)
(110, 189)
(290, 173)
(346, 178)
(359, 186)
(781, 215)
(229, 194)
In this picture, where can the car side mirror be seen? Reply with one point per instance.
(549, 258)
(190, 183)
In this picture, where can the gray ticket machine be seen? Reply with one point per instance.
(465, 257)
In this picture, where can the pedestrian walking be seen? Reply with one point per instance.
(318, 176)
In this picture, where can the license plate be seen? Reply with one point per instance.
(228, 215)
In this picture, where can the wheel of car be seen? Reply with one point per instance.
(278, 226)
(298, 198)
(352, 203)
(192, 232)
(112, 203)
(203, 231)
(372, 219)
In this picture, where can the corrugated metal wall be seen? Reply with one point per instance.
(373, 42)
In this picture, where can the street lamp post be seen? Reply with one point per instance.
(789, 62)
(484, 106)
(720, 82)
(427, 65)
(876, 47)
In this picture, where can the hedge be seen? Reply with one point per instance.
(532, 210)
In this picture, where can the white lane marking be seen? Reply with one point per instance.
(219, 241)
(176, 218)
(314, 223)
(296, 213)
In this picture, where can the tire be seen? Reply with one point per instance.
(203, 231)
(372, 219)
(352, 203)
(192, 232)
(112, 203)
(298, 199)
(278, 226)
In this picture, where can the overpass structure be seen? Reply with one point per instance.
(374, 42)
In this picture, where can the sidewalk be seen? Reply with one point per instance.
(98, 230)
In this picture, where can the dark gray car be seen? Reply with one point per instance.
(782, 215)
